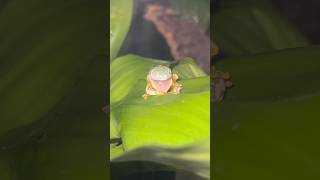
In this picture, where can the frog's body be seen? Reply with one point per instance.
(161, 81)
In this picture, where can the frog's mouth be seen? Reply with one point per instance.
(162, 85)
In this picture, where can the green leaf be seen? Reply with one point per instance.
(45, 47)
(120, 19)
(73, 144)
(127, 70)
(114, 130)
(268, 140)
(51, 74)
(267, 126)
(163, 117)
(162, 123)
(115, 151)
(171, 120)
(274, 76)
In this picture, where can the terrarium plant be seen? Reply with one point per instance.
(159, 109)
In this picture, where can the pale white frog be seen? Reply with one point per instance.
(161, 81)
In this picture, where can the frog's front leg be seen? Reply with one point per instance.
(150, 90)
(175, 87)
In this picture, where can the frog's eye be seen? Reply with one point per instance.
(160, 73)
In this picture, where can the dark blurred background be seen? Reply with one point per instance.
(142, 36)
(300, 18)
(305, 14)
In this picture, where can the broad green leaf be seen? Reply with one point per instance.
(267, 140)
(274, 76)
(120, 19)
(75, 133)
(45, 47)
(171, 120)
(49, 75)
(267, 126)
(167, 122)
(115, 151)
(81, 113)
(114, 130)
(187, 68)
(127, 70)
(249, 27)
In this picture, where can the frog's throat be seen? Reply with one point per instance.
(162, 86)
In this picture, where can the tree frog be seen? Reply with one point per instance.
(161, 81)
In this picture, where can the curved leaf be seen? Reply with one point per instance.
(162, 123)
(56, 42)
(75, 133)
(45, 48)
(114, 130)
(171, 120)
(274, 76)
(127, 70)
(120, 19)
(267, 126)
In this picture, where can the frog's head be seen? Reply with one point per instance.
(160, 78)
